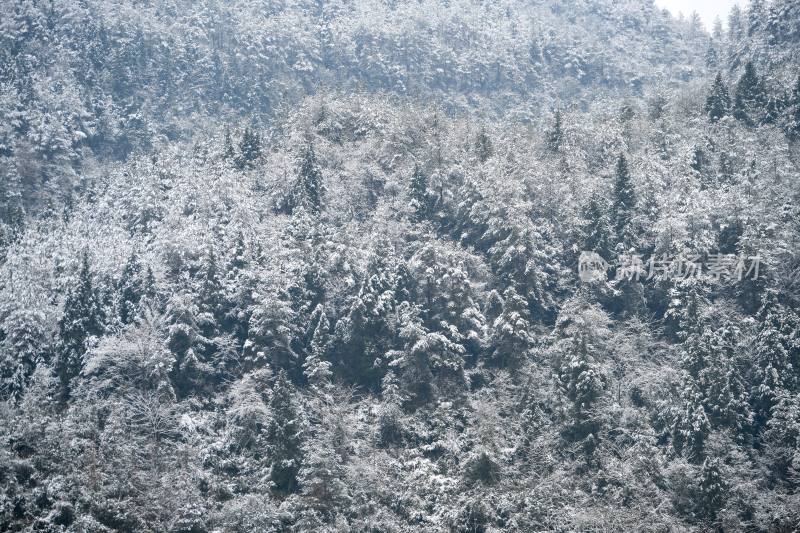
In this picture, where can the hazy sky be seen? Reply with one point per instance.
(707, 9)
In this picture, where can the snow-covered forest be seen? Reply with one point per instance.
(312, 265)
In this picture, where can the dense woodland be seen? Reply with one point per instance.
(307, 265)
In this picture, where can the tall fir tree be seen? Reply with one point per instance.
(624, 204)
(130, 289)
(750, 98)
(284, 437)
(718, 102)
(555, 136)
(420, 196)
(24, 348)
(249, 148)
(81, 320)
(310, 182)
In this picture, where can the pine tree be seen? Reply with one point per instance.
(622, 209)
(284, 439)
(712, 491)
(556, 135)
(273, 337)
(322, 477)
(483, 146)
(316, 369)
(750, 99)
(82, 319)
(580, 337)
(718, 102)
(781, 441)
(228, 152)
(735, 24)
(776, 353)
(310, 184)
(511, 331)
(24, 348)
(756, 15)
(692, 427)
(249, 148)
(130, 290)
(420, 197)
(594, 232)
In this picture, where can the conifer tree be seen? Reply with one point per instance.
(718, 102)
(420, 197)
(130, 289)
(483, 146)
(82, 319)
(316, 369)
(581, 331)
(624, 204)
(595, 231)
(556, 135)
(284, 438)
(750, 99)
(228, 152)
(23, 349)
(310, 183)
(249, 148)
(776, 353)
(511, 331)
(712, 490)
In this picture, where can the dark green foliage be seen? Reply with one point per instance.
(718, 102)
(130, 289)
(624, 204)
(556, 134)
(750, 98)
(82, 319)
(284, 440)
(420, 196)
(249, 149)
(776, 356)
(24, 347)
(310, 184)
(483, 148)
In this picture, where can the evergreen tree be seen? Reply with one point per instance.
(776, 353)
(511, 331)
(622, 209)
(130, 290)
(556, 135)
(735, 24)
(316, 369)
(228, 152)
(750, 99)
(273, 336)
(284, 439)
(483, 146)
(594, 232)
(82, 319)
(310, 184)
(322, 477)
(420, 197)
(718, 102)
(781, 441)
(580, 337)
(23, 349)
(712, 491)
(249, 148)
